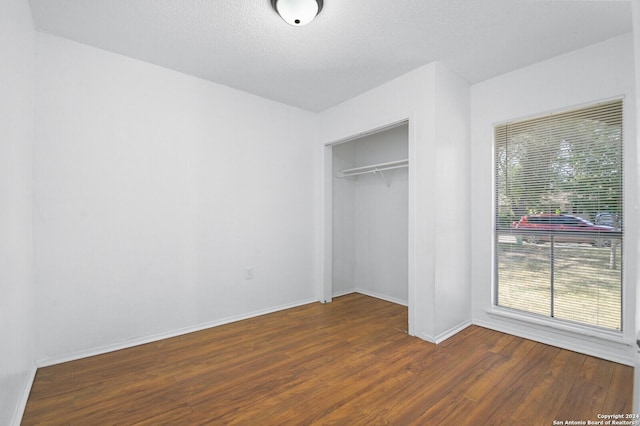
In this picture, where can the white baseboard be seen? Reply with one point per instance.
(452, 331)
(608, 350)
(344, 292)
(426, 338)
(166, 335)
(24, 397)
(444, 335)
(381, 296)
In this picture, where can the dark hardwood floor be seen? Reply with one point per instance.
(349, 362)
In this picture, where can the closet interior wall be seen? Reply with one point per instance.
(370, 218)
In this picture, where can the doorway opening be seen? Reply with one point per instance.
(367, 215)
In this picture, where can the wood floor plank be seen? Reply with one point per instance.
(517, 350)
(595, 371)
(550, 390)
(347, 362)
(588, 393)
(621, 386)
(427, 397)
(514, 389)
(584, 401)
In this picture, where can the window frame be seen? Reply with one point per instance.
(614, 335)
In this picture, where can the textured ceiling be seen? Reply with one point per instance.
(351, 47)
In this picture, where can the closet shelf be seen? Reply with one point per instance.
(374, 168)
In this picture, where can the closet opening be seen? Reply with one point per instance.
(367, 215)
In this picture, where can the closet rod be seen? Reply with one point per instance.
(374, 168)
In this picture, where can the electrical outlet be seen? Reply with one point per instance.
(249, 272)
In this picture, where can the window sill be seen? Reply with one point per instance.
(580, 331)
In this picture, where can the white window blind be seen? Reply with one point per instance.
(559, 210)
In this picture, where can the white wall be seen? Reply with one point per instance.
(370, 218)
(636, 50)
(382, 214)
(598, 72)
(154, 190)
(451, 206)
(17, 68)
(635, 7)
(415, 96)
(343, 193)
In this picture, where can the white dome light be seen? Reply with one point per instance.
(297, 12)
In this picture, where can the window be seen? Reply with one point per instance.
(558, 205)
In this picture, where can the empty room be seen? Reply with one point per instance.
(319, 212)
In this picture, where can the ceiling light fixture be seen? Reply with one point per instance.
(297, 12)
